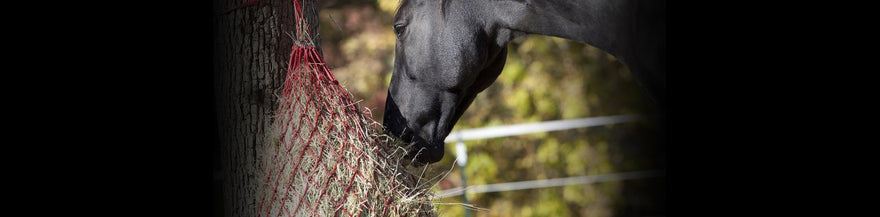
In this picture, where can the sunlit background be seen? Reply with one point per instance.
(545, 78)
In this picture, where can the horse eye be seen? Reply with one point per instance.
(398, 29)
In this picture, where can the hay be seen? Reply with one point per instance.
(327, 158)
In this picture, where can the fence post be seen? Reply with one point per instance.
(461, 158)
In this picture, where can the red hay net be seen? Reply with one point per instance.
(324, 158)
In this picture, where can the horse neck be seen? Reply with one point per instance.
(620, 27)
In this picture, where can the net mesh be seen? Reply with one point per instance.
(326, 156)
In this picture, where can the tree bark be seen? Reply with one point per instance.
(252, 48)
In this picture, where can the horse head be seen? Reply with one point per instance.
(441, 62)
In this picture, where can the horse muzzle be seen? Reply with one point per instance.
(422, 152)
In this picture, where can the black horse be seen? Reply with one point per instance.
(450, 50)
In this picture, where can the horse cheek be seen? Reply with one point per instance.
(489, 74)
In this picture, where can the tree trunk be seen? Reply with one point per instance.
(252, 47)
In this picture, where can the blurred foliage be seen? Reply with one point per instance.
(545, 78)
